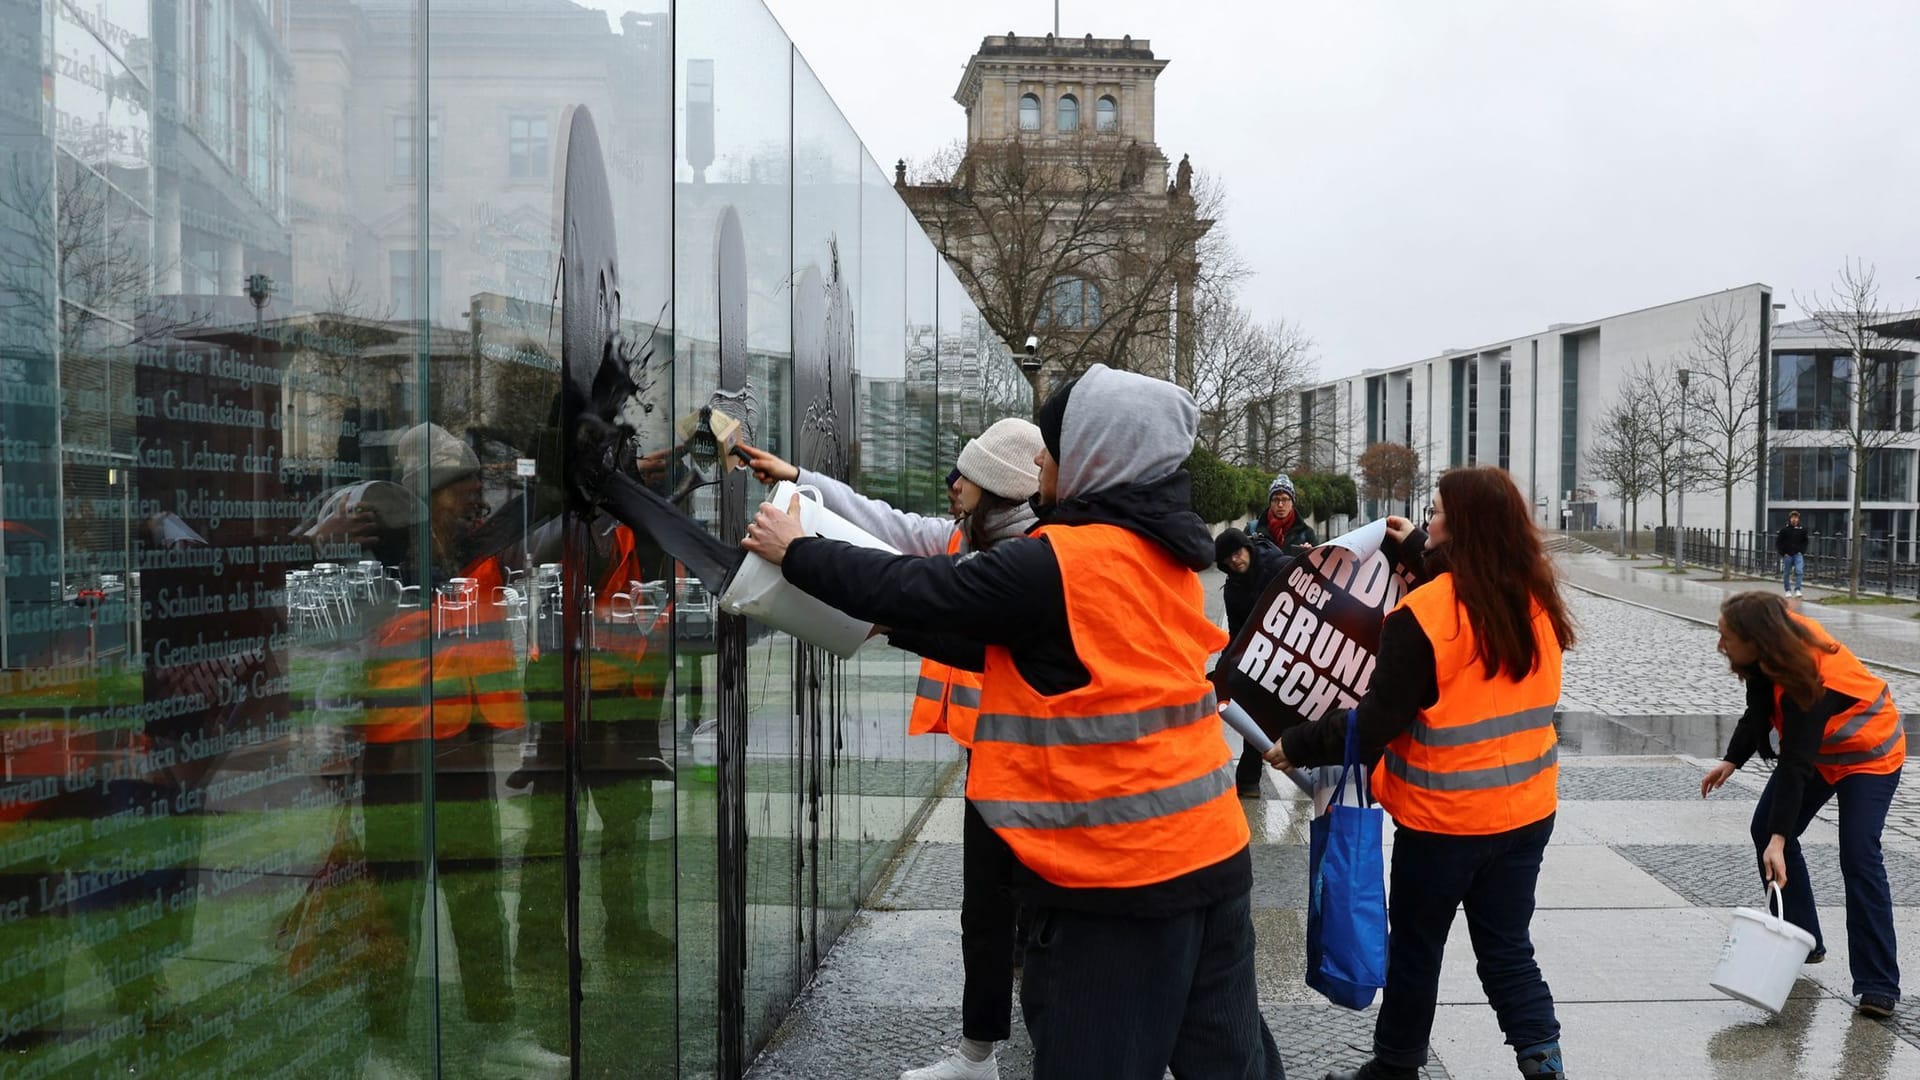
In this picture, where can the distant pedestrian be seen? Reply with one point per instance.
(1840, 736)
(989, 490)
(1280, 524)
(1098, 755)
(1467, 768)
(1792, 546)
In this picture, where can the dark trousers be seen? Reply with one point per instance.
(986, 930)
(1863, 813)
(1433, 876)
(1246, 774)
(467, 859)
(1107, 997)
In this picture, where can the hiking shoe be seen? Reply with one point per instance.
(1877, 1006)
(1818, 955)
(955, 1066)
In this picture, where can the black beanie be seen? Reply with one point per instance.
(1228, 542)
(1052, 414)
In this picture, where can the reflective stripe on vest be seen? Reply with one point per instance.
(947, 699)
(1865, 738)
(1125, 781)
(1482, 758)
(1115, 810)
(418, 684)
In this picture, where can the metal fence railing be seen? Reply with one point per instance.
(1890, 566)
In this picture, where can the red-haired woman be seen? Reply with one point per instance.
(1839, 736)
(1462, 724)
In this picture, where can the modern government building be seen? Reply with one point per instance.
(1537, 404)
(349, 727)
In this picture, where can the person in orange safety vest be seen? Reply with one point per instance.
(1840, 738)
(1468, 767)
(1098, 755)
(995, 478)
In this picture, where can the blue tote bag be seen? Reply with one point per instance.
(1346, 891)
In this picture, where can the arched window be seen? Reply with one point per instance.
(1029, 112)
(1106, 114)
(1073, 303)
(1069, 113)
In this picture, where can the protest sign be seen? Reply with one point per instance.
(1308, 648)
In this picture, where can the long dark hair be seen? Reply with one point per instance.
(1500, 571)
(1785, 646)
(990, 503)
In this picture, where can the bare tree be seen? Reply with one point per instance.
(1238, 365)
(1390, 473)
(1622, 456)
(1877, 372)
(1724, 358)
(1674, 468)
(1080, 246)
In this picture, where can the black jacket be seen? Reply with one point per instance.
(1792, 540)
(1243, 590)
(1299, 536)
(1801, 731)
(950, 609)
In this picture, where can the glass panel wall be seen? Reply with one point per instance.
(366, 707)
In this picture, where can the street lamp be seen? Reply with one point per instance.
(1680, 499)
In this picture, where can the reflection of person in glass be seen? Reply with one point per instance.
(442, 680)
(620, 757)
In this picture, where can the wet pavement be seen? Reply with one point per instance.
(1634, 900)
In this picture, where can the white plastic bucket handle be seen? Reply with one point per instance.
(1776, 903)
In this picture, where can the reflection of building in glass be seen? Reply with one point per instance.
(504, 76)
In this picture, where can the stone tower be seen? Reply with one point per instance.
(1073, 114)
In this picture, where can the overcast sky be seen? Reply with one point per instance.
(1406, 176)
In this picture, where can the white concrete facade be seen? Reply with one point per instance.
(1559, 383)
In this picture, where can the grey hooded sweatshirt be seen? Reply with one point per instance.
(1121, 438)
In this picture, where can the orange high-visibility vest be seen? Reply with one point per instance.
(1482, 758)
(947, 698)
(412, 676)
(1123, 782)
(1867, 737)
(617, 661)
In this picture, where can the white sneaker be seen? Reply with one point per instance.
(519, 1057)
(955, 1066)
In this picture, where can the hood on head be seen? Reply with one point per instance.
(1120, 429)
(1228, 542)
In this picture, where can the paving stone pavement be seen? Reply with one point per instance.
(1719, 875)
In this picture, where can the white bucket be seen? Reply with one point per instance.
(1763, 955)
(759, 592)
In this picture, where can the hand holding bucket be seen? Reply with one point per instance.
(1763, 955)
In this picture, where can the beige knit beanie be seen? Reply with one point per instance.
(1001, 459)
